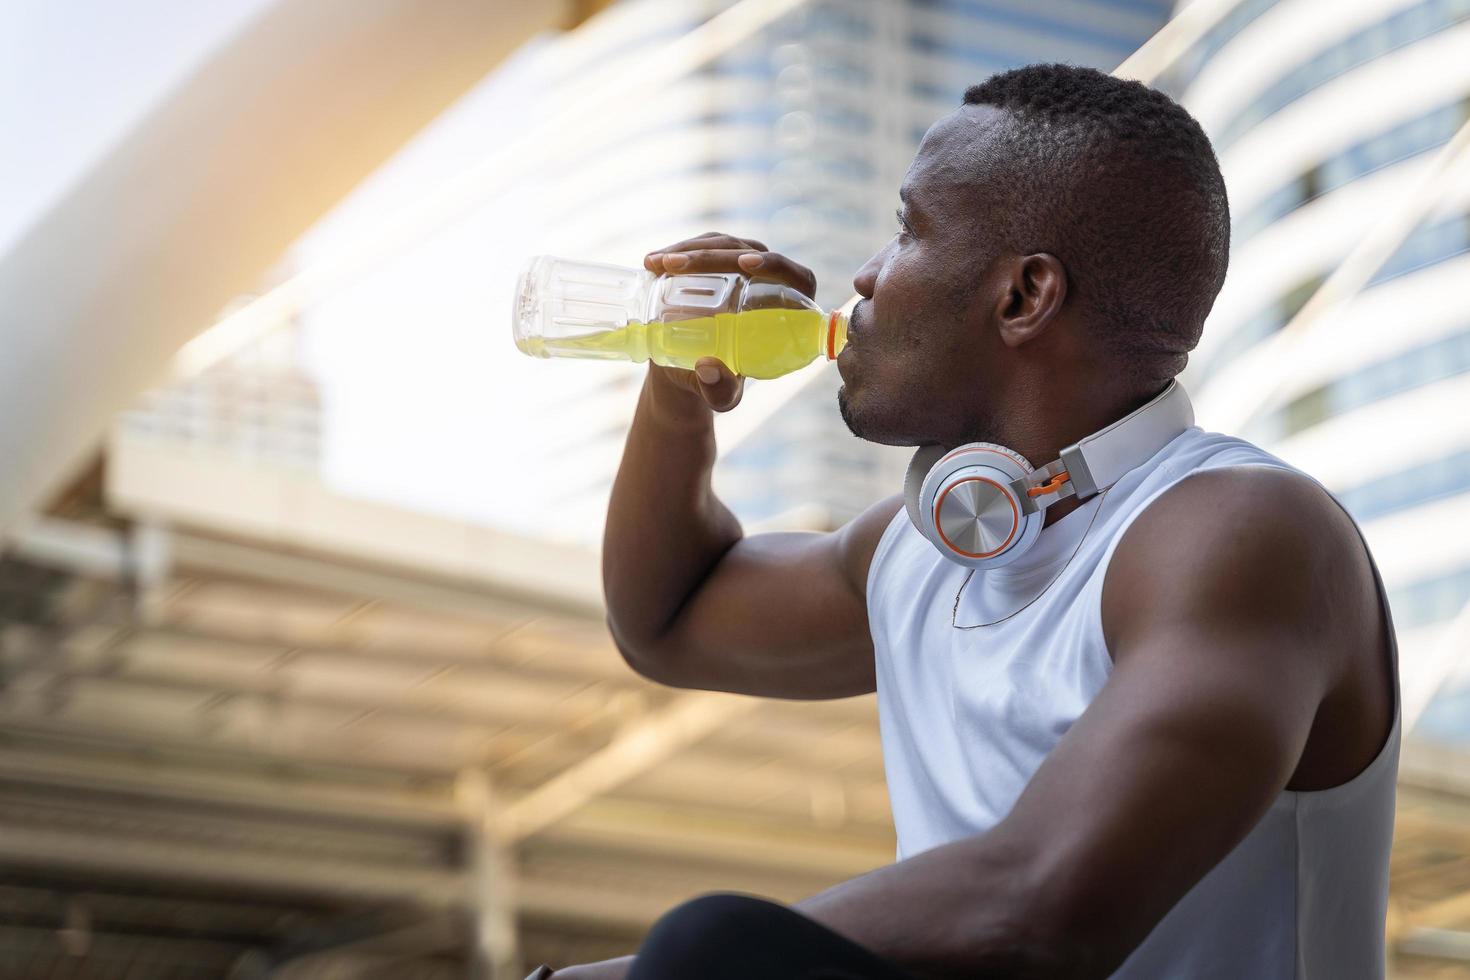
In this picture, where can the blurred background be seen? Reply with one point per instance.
(303, 670)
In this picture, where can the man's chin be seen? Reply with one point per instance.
(862, 426)
(856, 423)
(844, 408)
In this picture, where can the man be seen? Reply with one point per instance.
(1160, 745)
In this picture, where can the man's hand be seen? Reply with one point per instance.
(694, 603)
(603, 970)
(716, 384)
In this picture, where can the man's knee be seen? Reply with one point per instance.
(711, 928)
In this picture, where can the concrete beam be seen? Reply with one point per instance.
(667, 769)
(646, 743)
(83, 549)
(50, 850)
(469, 705)
(615, 827)
(337, 955)
(305, 533)
(668, 833)
(1443, 944)
(94, 733)
(178, 785)
(367, 580)
(626, 896)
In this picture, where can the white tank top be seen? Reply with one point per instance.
(967, 716)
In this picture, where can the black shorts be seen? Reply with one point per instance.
(740, 937)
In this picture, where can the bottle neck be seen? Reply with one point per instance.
(835, 336)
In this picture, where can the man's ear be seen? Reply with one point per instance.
(1033, 291)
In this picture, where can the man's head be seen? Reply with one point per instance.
(1063, 235)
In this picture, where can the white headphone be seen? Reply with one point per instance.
(983, 505)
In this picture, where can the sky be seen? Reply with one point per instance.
(76, 76)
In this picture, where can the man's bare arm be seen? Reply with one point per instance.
(1227, 634)
(692, 602)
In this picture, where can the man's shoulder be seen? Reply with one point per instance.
(1245, 497)
(1244, 544)
(1258, 572)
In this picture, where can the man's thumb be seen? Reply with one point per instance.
(720, 387)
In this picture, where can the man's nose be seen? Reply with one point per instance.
(867, 276)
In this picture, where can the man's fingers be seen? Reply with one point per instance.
(777, 267)
(715, 384)
(708, 238)
(770, 266)
(720, 387)
(706, 260)
(716, 239)
(718, 252)
(712, 240)
(704, 241)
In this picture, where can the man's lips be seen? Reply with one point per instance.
(855, 327)
(848, 351)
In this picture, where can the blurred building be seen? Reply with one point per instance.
(849, 91)
(1325, 116)
(253, 728)
(259, 408)
(801, 134)
(798, 136)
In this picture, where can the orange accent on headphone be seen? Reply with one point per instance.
(1050, 486)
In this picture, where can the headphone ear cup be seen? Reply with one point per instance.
(913, 483)
(932, 474)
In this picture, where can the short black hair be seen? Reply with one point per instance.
(1120, 183)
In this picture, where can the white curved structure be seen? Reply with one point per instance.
(194, 204)
(1326, 116)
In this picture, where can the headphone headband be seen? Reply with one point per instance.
(1100, 460)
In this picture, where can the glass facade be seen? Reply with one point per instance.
(1405, 371)
(1448, 718)
(1396, 31)
(1429, 245)
(963, 41)
(1189, 65)
(798, 137)
(947, 45)
(1440, 477)
(1062, 26)
(1402, 141)
(1321, 233)
(1260, 325)
(1434, 600)
(975, 51)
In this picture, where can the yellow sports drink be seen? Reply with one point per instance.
(590, 310)
(756, 343)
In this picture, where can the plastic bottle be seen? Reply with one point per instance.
(608, 312)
